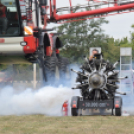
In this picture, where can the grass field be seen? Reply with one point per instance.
(40, 124)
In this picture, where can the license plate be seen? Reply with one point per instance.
(96, 104)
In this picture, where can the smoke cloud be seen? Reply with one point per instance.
(127, 86)
(47, 100)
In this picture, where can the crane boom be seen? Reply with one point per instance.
(93, 12)
(121, 7)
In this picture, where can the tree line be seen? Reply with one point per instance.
(79, 36)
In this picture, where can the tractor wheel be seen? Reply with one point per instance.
(118, 111)
(51, 66)
(63, 64)
(74, 111)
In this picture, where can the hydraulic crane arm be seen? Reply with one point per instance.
(93, 12)
(101, 11)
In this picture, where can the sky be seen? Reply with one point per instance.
(119, 25)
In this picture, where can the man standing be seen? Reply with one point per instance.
(95, 51)
(3, 19)
(65, 108)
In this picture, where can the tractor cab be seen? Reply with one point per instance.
(9, 18)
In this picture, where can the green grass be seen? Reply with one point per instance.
(40, 124)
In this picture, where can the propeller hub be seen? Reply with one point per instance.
(97, 80)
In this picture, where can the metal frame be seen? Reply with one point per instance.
(126, 52)
(117, 7)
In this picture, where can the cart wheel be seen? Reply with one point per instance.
(74, 111)
(118, 111)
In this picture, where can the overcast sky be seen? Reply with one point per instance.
(119, 25)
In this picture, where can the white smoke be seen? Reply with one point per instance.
(127, 87)
(47, 100)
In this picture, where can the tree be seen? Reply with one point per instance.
(125, 42)
(79, 36)
(112, 51)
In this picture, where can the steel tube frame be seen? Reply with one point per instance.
(91, 12)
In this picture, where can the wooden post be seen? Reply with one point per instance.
(34, 76)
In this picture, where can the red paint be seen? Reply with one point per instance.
(23, 17)
(93, 12)
(48, 51)
(94, 17)
(50, 8)
(65, 108)
(74, 105)
(54, 6)
(115, 3)
(57, 51)
(71, 5)
(2, 10)
(116, 105)
(2, 40)
(51, 40)
(31, 45)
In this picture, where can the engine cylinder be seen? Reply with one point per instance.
(97, 80)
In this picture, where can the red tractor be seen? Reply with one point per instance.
(23, 37)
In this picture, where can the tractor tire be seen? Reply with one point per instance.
(74, 111)
(118, 111)
(63, 64)
(51, 67)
